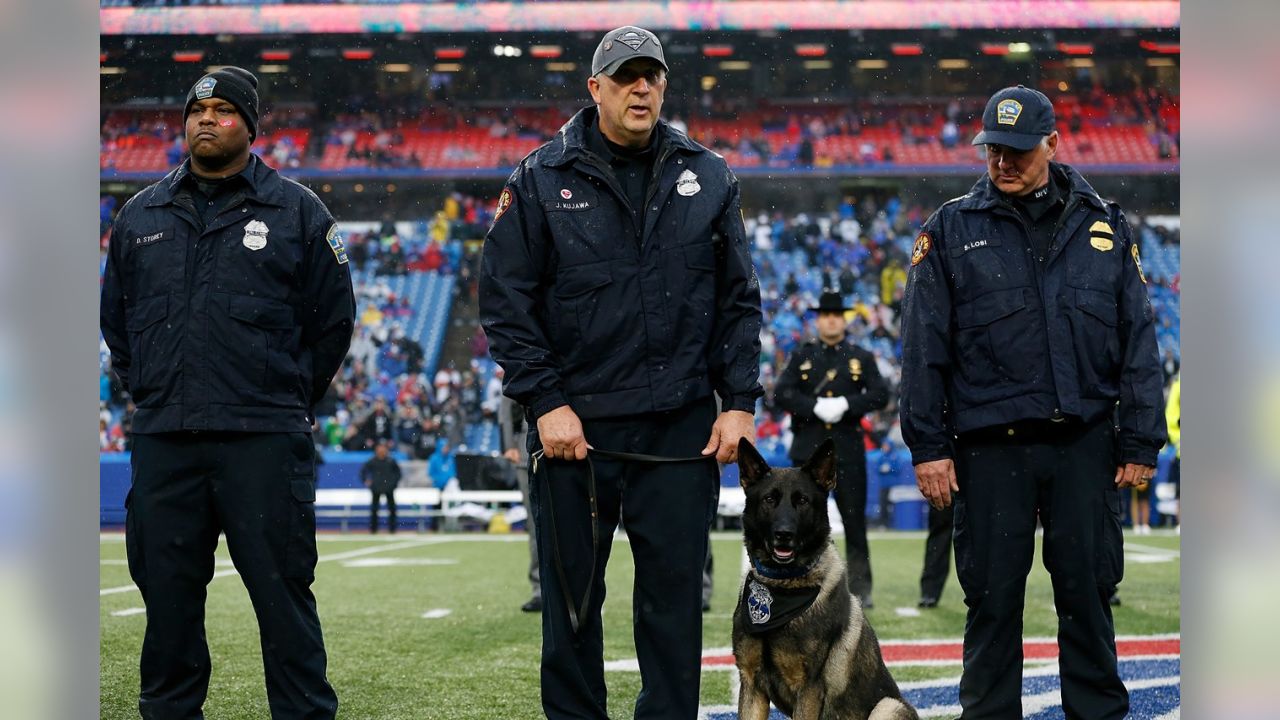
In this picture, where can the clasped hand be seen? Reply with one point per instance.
(831, 409)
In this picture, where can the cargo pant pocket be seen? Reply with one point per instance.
(133, 544)
(300, 553)
(1109, 570)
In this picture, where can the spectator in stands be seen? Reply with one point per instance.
(442, 466)
(220, 445)
(1007, 402)
(829, 384)
(563, 309)
(381, 474)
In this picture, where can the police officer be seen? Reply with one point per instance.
(1027, 334)
(618, 294)
(227, 306)
(829, 384)
(381, 474)
(937, 556)
(511, 424)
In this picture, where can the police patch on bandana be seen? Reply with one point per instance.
(504, 202)
(334, 238)
(923, 243)
(758, 603)
(769, 608)
(1133, 250)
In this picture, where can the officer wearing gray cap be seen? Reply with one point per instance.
(1031, 391)
(618, 295)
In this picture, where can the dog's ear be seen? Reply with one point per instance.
(751, 466)
(821, 465)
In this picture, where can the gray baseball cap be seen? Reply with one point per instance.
(623, 44)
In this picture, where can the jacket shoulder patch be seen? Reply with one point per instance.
(505, 200)
(923, 243)
(334, 238)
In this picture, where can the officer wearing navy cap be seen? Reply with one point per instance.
(228, 309)
(1031, 391)
(828, 385)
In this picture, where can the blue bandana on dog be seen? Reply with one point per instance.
(769, 608)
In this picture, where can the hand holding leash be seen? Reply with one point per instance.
(561, 433)
(729, 427)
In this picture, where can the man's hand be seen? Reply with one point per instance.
(831, 409)
(512, 454)
(561, 433)
(1134, 475)
(937, 480)
(729, 428)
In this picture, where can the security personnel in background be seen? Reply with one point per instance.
(227, 306)
(618, 295)
(381, 474)
(829, 384)
(1026, 317)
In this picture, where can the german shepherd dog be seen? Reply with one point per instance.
(800, 639)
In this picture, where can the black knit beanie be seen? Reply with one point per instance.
(235, 85)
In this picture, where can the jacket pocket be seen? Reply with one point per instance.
(1097, 343)
(149, 346)
(999, 340)
(257, 342)
(591, 318)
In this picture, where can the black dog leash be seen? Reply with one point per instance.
(577, 611)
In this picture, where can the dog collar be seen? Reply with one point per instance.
(768, 608)
(780, 574)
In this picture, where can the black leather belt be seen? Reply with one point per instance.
(577, 611)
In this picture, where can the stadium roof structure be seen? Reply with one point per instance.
(760, 15)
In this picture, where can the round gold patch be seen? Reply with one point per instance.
(921, 249)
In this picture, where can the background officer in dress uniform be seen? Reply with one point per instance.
(829, 384)
(937, 556)
(381, 474)
(1027, 333)
(511, 422)
(227, 306)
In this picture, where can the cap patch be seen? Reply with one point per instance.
(921, 248)
(1007, 112)
(632, 39)
(204, 88)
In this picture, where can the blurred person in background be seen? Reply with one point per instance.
(618, 215)
(511, 423)
(1173, 423)
(228, 308)
(1026, 331)
(829, 384)
(381, 474)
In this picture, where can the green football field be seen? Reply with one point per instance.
(428, 626)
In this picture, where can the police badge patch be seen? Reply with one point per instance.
(255, 234)
(921, 249)
(334, 238)
(687, 184)
(759, 603)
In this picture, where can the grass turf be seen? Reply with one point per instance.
(388, 662)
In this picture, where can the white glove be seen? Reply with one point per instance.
(831, 409)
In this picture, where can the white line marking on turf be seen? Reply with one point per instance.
(436, 614)
(128, 612)
(906, 612)
(393, 562)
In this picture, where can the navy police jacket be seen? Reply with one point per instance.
(992, 336)
(237, 326)
(582, 307)
(819, 370)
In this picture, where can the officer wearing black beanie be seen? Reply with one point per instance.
(227, 306)
(233, 84)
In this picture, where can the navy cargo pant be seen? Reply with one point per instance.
(258, 489)
(667, 510)
(1064, 475)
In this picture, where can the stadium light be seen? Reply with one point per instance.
(1080, 62)
(273, 68)
(1019, 48)
(450, 53)
(447, 67)
(1161, 47)
(108, 70)
(357, 54)
(817, 64)
(188, 56)
(995, 48)
(1160, 62)
(953, 64)
(907, 49)
(397, 68)
(276, 56)
(708, 82)
(715, 51)
(735, 65)
(811, 50)
(872, 64)
(561, 67)
(1075, 48)
(546, 51)
(507, 51)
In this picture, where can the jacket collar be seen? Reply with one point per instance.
(263, 184)
(985, 196)
(571, 141)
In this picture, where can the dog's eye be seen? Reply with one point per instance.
(802, 500)
(770, 499)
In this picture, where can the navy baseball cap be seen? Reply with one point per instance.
(1017, 117)
(622, 44)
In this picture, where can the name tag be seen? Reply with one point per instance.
(153, 238)
(960, 248)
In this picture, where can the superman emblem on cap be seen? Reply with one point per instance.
(633, 39)
(1007, 112)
